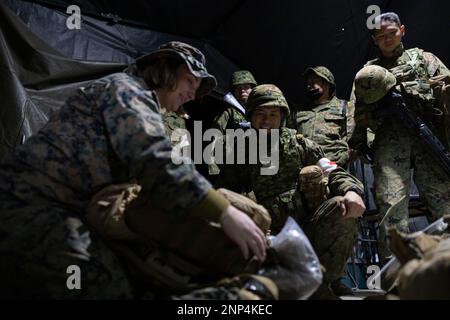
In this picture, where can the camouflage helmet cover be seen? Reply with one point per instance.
(193, 57)
(372, 83)
(242, 77)
(323, 73)
(266, 95)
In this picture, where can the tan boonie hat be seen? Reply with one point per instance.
(193, 57)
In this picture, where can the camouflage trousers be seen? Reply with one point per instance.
(396, 152)
(331, 236)
(48, 253)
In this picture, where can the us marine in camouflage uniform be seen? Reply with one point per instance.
(326, 119)
(331, 226)
(397, 149)
(110, 132)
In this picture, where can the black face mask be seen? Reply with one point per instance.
(314, 94)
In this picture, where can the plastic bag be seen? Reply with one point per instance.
(297, 271)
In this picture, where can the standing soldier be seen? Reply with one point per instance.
(396, 149)
(233, 117)
(241, 84)
(291, 191)
(326, 120)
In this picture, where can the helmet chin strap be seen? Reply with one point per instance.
(314, 94)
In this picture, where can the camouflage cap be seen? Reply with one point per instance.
(266, 95)
(324, 73)
(242, 77)
(193, 57)
(372, 83)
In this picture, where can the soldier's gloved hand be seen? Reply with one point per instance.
(353, 205)
(244, 232)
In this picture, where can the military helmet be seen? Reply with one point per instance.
(242, 77)
(324, 73)
(372, 83)
(266, 95)
(193, 57)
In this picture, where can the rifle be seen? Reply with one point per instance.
(415, 123)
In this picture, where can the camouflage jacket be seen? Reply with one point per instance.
(280, 193)
(172, 122)
(328, 125)
(109, 132)
(230, 118)
(412, 68)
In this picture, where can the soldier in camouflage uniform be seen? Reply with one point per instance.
(110, 132)
(241, 84)
(326, 120)
(396, 149)
(332, 226)
(233, 117)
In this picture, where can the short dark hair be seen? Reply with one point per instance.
(162, 73)
(388, 16)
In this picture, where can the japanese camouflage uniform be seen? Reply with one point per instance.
(331, 236)
(172, 122)
(328, 124)
(110, 132)
(397, 149)
(231, 117)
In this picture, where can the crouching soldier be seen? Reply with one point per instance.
(330, 224)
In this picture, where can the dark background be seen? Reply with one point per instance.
(276, 40)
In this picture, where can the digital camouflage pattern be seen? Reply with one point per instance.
(397, 149)
(331, 236)
(172, 122)
(109, 132)
(329, 125)
(242, 77)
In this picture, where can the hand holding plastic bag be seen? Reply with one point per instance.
(296, 269)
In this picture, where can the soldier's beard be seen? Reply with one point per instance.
(314, 94)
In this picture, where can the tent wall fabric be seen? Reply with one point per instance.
(44, 62)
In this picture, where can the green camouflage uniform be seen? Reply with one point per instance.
(328, 124)
(397, 149)
(172, 122)
(331, 236)
(110, 132)
(231, 117)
